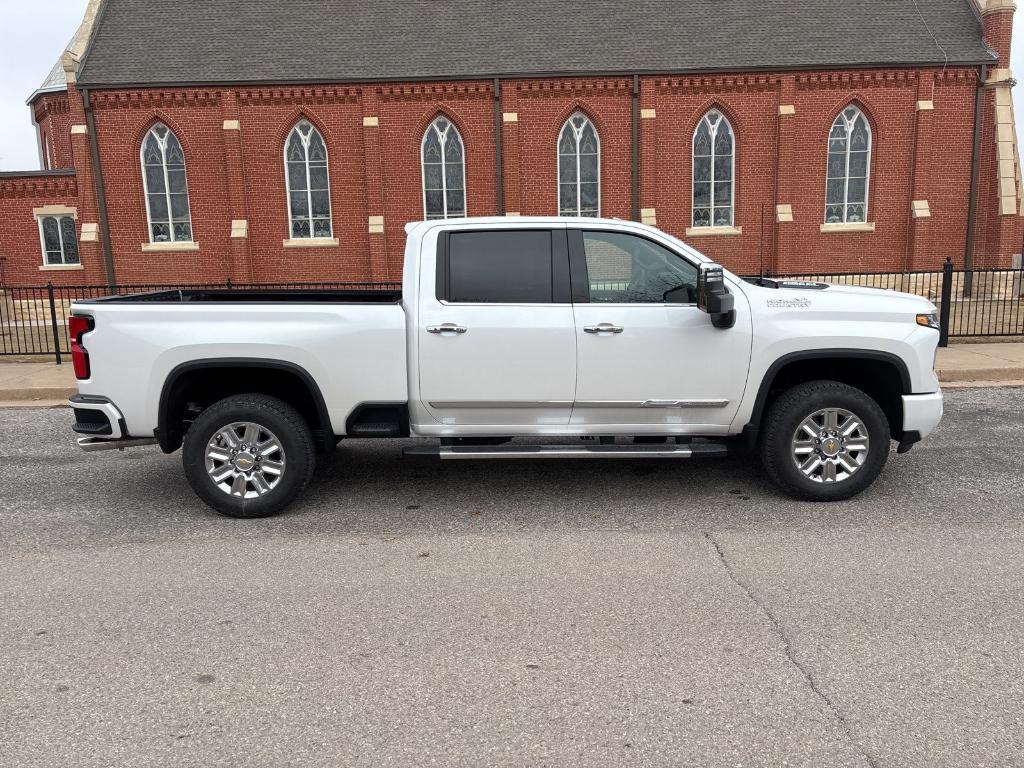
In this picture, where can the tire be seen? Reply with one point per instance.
(784, 438)
(236, 478)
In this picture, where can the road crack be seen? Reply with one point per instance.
(787, 644)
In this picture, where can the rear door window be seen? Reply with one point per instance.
(499, 267)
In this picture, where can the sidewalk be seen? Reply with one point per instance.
(993, 364)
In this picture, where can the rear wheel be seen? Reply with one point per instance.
(248, 455)
(824, 441)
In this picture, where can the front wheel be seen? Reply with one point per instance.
(248, 455)
(824, 441)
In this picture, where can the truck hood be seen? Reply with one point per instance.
(826, 296)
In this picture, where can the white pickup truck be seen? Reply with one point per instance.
(595, 338)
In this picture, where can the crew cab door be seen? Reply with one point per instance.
(648, 360)
(497, 341)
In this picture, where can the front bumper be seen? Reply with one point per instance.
(921, 414)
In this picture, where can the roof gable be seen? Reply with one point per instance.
(223, 41)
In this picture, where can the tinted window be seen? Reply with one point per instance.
(500, 267)
(627, 269)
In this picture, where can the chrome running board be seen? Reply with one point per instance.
(98, 444)
(567, 452)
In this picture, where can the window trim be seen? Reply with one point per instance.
(444, 172)
(60, 234)
(309, 191)
(560, 281)
(558, 166)
(581, 274)
(732, 176)
(846, 174)
(167, 184)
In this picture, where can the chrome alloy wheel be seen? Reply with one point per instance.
(830, 445)
(245, 460)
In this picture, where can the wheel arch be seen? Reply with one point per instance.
(213, 379)
(883, 376)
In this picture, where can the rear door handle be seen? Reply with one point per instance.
(446, 328)
(603, 328)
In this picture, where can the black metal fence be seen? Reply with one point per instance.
(33, 319)
(972, 303)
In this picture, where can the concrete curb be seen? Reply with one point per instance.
(30, 394)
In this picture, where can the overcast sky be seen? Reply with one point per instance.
(33, 33)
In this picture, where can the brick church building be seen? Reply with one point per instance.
(207, 140)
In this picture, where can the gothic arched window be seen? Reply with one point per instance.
(849, 168)
(444, 171)
(714, 164)
(306, 176)
(579, 168)
(166, 187)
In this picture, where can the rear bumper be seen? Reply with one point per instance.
(102, 425)
(97, 417)
(921, 414)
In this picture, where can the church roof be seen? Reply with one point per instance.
(138, 42)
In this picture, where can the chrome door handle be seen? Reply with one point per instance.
(446, 328)
(603, 328)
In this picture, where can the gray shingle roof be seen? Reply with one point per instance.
(222, 41)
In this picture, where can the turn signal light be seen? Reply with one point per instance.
(78, 325)
(930, 320)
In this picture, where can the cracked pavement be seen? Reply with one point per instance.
(505, 613)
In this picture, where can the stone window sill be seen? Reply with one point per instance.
(59, 267)
(181, 245)
(311, 242)
(709, 231)
(860, 226)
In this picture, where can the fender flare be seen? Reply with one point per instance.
(754, 423)
(163, 432)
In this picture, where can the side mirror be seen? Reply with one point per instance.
(713, 296)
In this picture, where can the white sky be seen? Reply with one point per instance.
(33, 33)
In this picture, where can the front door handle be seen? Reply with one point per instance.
(446, 328)
(603, 328)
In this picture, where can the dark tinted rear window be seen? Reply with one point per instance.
(512, 267)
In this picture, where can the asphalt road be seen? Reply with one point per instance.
(515, 613)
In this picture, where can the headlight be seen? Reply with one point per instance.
(929, 320)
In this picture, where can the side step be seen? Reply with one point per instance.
(640, 451)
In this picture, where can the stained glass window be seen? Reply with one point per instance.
(306, 177)
(444, 171)
(59, 239)
(579, 164)
(163, 176)
(714, 154)
(849, 167)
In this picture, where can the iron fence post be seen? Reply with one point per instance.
(53, 322)
(947, 298)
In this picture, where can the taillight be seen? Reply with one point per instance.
(77, 326)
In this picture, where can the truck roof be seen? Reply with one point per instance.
(416, 227)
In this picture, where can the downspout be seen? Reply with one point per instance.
(101, 192)
(635, 128)
(499, 163)
(972, 200)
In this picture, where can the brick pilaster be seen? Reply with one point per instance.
(510, 147)
(376, 225)
(238, 207)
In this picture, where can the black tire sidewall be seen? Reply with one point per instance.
(792, 408)
(280, 418)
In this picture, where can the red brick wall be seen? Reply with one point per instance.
(54, 120)
(375, 170)
(19, 230)
(122, 121)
